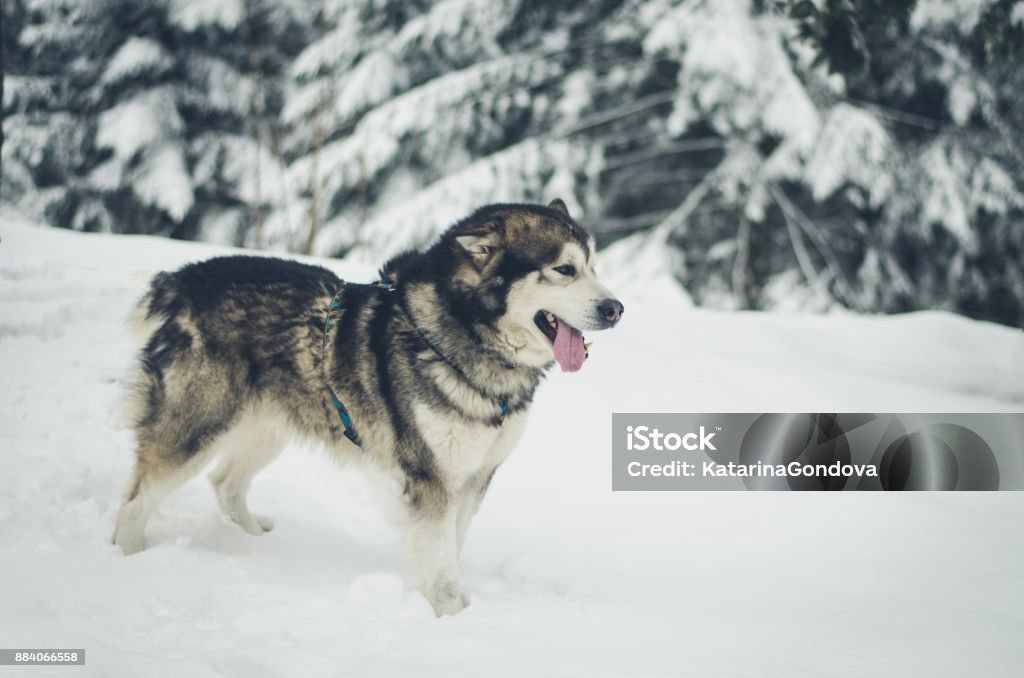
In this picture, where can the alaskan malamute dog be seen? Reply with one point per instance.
(427, 373)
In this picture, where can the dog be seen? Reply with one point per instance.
(427, 373)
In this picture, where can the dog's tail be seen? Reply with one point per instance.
(147, 317)
(148, 313)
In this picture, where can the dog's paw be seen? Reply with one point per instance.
(130, 546)
(450, 606)
(449, 602)
(257, 526)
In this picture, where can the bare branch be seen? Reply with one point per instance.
(843, 286)
(627, 224)
(802, 256)
(615, 113)
(686, 146)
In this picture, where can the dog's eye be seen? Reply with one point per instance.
(566, 269)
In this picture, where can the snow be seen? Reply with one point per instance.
(164, 182)
(962, 14)
(504, 176)
(335, 49)
(148, 127)
(638, 268)
(250, 168)
(224, 88)
(193, 14)
(378, 137)
(566, 578)
(577, 97)
(733, 71)
(992, 189)
(133, 125)
(946, 201)
(465, 29)
(853, 147)
(222, 227)
(136, 56)
(376, 77)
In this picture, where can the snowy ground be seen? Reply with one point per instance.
(566, 577)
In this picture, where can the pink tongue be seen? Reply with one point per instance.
(569, 349)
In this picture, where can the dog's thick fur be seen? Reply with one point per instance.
(235, 364)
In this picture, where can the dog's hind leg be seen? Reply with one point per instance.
(243, 451)
(181, 406)
(157, 473)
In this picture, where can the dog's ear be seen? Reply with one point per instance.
(481, 243)
(559, 206)
(389, 272)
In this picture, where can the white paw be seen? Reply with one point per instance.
(130, 545)
(448, 603)
(250, 524)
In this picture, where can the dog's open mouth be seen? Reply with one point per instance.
(568, 343)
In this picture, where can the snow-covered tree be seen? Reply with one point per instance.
(446, 104)
(759, 153)
(144, 117)
(877, 174)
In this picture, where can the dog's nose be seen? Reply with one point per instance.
(611, 310)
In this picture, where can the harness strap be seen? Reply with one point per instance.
(346, 420)
(334, 313)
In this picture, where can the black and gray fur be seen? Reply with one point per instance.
(235, 365)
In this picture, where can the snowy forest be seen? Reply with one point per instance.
(809, 155)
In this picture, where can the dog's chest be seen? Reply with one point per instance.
(463, 449)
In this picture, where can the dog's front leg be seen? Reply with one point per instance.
(470, 496)
(432, 539)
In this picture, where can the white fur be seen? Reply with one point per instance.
(432, 546)
(129, 531)
(242, 452)
(464, 449)
(467, 455)
(254, 440)
(573, 300)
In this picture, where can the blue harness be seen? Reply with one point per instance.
(333, 313)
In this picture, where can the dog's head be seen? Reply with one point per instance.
(529, 271)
